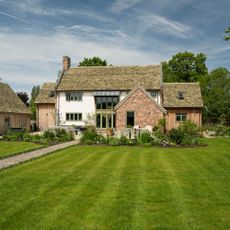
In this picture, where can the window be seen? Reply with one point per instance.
(98, 102)
(106, 102)
(105, 120)
(74, 96)
(181, 117)
(153, 94)
(22, 121)
(130, 119)
(74, 116)
(180, 95)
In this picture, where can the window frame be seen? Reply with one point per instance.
(180, 95)
(74, 96)
(73, 116)
(182, 117)
(127, 118)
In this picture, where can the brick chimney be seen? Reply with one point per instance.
(66, 63)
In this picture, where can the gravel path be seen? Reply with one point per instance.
(5, 163)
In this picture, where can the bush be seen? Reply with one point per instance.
(177, 135)
(49, 135)
(114, 141)
(145, 138)
(91, 137)
(222, 130)
(27, 137)
(189, 128)
(123, 140)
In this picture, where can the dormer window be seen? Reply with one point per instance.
(180, 95)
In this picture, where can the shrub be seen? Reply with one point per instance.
(36, 138)
(27, 137)
(189, 128)
(114, 141)
(222, 130)
(49, 135)
(91, 137)
(145, 137)
(123, 140)
(177, 135)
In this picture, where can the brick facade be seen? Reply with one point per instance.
(145, 110)
(192, 114)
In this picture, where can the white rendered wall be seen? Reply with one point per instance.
(86, 107)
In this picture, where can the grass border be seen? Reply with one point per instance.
(35, 158)
(21, 152)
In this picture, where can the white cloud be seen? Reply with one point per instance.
(15, 17)
(35, 58)
(166, 26)
(121, 5)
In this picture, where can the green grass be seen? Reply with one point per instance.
(13, 148)
(93, 187)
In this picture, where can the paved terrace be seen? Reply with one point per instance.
(10, 161)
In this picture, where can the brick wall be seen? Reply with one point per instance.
(193, 114)
(146, 112)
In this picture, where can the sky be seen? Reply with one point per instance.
(35, 34)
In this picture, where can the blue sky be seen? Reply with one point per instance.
(35, 34)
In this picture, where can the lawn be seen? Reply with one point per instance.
(13, 148)
(95, 187)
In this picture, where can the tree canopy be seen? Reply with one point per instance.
(95, 61)
(24, 97)
(215, 88)
(227, 37)
(34, 93)
(185, 67)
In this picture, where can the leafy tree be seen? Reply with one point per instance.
(227, 37)
(24, 97)
(185, 67)
(216, 96)
(34, 93)
(95, 61)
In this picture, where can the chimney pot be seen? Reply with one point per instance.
(66, 63)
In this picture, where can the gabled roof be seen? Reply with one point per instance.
(44, 95)
(110, 78)
(10, 102)
(191, 93)
(146, 94)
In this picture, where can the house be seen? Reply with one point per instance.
(14, 115)
(119, 97)
(45, 103)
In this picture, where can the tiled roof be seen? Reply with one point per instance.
(146, 94)
(191, 92)
(44, 95)
(110, 78)
(10, 102)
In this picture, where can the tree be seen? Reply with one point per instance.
(24, 97)
(34, 93)
(185, 67)
(95, 61)
(227, 37)
(216, 95)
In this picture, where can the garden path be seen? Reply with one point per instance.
(14, 160)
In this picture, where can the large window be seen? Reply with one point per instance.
(74, 116)
(130, 119)
(181, 117)
(105, 120)
(74, 96)
(106, 102)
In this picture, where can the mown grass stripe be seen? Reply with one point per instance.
(81, 196)
(94, 217)
(42, 189)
